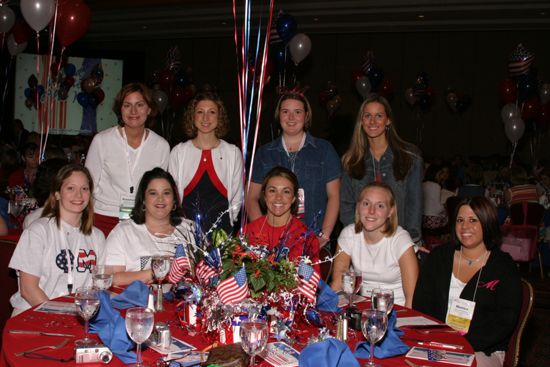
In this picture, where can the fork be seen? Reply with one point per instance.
(57, 346)
(411, 364)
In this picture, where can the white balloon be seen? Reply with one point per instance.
(299, 47)
(514, 129)
(509, 112)
(363, 86)
(7, 18)
(544, 93)
(38, 13)
(15, 48)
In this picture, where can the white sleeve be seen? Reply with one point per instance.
(235, 198)
(346, 239)
(165, 155)
(94, 159)
(29, 252)
(401, 241)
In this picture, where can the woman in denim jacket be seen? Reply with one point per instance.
(377, 153)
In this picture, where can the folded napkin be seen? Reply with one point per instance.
(327, 299)
(390, 346)
(135, 295)
(328, 353)
(111, 329)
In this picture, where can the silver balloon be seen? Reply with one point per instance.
(509, 112)
(161, 99)
(410, 97)
(38, 13)
(363, 86)
(7, 18)
(544, 93)
(299, 47)
(15, 48)
(514, 129)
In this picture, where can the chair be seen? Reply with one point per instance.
(326, 267)
(521, 238)
(512, 352)
(8, 280)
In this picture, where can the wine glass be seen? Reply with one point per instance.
(254, 335)
(100, 278)
(382, 300)
(373, 325)
(87, 303)
(139, 325)
(351, 283)
(161, 266)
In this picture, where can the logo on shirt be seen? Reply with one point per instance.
(490, 285)
(84, 261)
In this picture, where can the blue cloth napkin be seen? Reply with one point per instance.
(328, 353)
(327, 299)
(111, 329)
(390, 346)
(135, 295)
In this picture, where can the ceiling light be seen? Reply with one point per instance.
(421, 16)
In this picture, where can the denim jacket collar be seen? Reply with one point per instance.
(278, 143)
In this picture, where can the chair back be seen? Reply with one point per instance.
(8, 280)
(526, 213)
(326, 267)
(512, 353)
(520, 241)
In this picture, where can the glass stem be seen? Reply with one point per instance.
(351, 300)
(86, 329)
(138, 354)
(252, 364)
(371, 359)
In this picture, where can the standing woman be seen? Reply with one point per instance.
(208, 170)
(472, 274)
(119, 156)
(377, 247)
(378, 154)
(314, 161)
(55, 254)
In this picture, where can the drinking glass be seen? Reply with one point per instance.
(254, 335)
(87, 303)
(139, 325)
(351, 283)
(382, 300)
(373, 325)
(161, 267)
(100, 278)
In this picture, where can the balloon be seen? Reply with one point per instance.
(180, 96)
(327, 94)
(38, 13)
(69, 69)
(28, 92)
(363, 86)
(88, 85)
(530, 108)
(544, 118)
(514, 129)
(7, 18)
(279, 55)
(376, 75)
(73, 21)
(166, 80)
(544, 93)
(410, 97)
(508, 91)
(21, 31)
(15, 48)
(386, 89)
(299, 47)
(32, 81)
(451, 100)
(62, 93)
(68, 81)
(356, 75)
(527, 86)
(180, 79)
(28, 103)
(333, 105)
(463, 104)
(509, 112)
(424, 101)
(161, 99)
(286, 27)
(99, 95)
(83, 99)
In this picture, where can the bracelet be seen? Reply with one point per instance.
(322, 235)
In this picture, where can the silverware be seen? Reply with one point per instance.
(430, 326)
(42, 333)
(56, 346)
(411, 364)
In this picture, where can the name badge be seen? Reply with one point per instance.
(460, 314)
(301, 203)
(126, 207)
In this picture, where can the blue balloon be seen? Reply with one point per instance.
(40, 89)
(279, 55)
(375, 75)
(28, 92)
(286, 27)
(181, 79)
(69, 69)
(83, 99)
(527, 87)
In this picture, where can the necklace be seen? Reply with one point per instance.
(471, 261)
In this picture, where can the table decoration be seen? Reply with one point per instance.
(20, 204)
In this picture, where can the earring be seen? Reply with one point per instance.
(387, 128)
(174, 207)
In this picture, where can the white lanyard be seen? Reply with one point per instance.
(132, 168)
(68, 250)
(292, 156)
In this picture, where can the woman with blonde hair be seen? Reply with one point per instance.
(378, 154)
(377, 247)
(55, 255)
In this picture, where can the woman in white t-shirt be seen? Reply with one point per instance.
(119, 156)
(377, 247)
(55, 255)
(155, 228)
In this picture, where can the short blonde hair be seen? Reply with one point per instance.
(391, 222)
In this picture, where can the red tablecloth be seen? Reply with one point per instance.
(31, 320)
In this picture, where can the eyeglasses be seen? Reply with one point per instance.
(378, 117)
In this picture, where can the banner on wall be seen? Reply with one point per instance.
(75, 99)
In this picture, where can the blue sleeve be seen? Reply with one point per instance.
(258, 170)
(347, 200)
(415, 200)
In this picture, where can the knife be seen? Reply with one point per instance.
(432, 326)
(42, 333)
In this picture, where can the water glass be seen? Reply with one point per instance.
(100, 278)
(160, 264)
(254, 335)
(139, 325)
(87, 303)
(382, 300)
(373, 325)
(351, 283)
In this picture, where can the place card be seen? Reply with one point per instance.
(176, 347)
(415, 321)
(64, 308)
(443, 356)
(280, 354)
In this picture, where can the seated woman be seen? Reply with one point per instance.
(377, 247)
(55, 254)
(472, 269)
(155, 228)
(280, 226)
(435, 215)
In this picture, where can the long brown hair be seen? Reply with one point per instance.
(353, 161)
(51, 207)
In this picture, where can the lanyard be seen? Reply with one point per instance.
(63, 234)
(478, 275)
(132, 167)
(292, 155)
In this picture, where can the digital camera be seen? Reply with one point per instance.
(93, 354)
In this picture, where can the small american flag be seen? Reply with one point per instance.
(308, 280)
(234, 288)
(520, 61)
(180, 264)
(204, 272)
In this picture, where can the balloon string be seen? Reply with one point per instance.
(512, 155)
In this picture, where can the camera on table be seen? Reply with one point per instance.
(93, 354)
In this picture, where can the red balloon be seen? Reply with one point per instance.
(508, 91)
(21, 31)
(386, 88)
(99, 95)
(68, 81)
(180, 96)
(166, 80)
(73, 20)
(530, 108)
(543, 121)
(356, 75)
